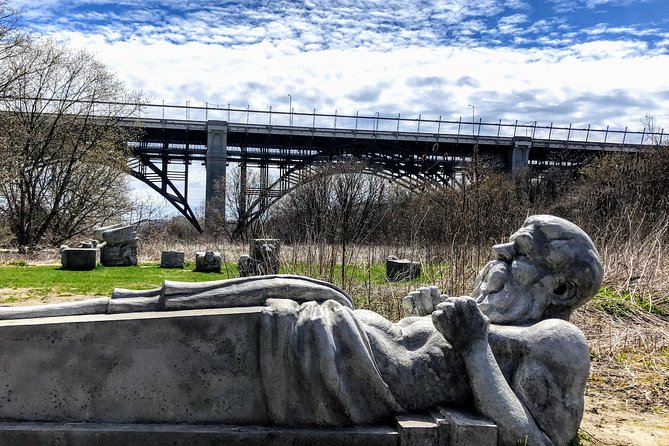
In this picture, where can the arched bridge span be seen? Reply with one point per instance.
(414, 152)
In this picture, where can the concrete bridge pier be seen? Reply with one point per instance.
(519, 153)
(216, 158)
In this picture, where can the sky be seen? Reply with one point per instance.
(584, 62)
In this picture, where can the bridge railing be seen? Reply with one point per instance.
(394, 123)
(399, 124)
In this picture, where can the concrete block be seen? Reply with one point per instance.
(208, 262)
(461, 428)
(401, 269)
(107, 434)
(190, 366)
(79, 259)
(124, 254)
(172, 259)
(417, 430)
(119, 235)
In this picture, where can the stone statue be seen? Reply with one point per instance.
(508, 351)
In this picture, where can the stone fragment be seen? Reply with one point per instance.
(119, 247)
(403, 269)
(208, 262)
(417, 430)
(246, 266)
(79, 259)
(265, 253)
(172, 259)
(460, 428)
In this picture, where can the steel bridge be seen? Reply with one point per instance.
(414, 152)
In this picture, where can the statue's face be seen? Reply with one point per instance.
(519, 285)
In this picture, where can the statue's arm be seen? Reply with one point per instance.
(551, 378)
(466, 329)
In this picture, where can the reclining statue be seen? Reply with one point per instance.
(507, 351)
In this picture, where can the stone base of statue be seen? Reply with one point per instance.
(401, 269)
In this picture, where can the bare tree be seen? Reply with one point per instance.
(64, 153)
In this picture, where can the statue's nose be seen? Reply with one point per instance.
(505, 251)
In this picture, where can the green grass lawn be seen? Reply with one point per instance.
(36, 282)
(21, 282)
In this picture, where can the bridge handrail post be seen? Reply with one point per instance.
(270, 116)
(569, 133)
(606, 135)
(457, 139)
(499, 127)
(397, 132)
(550, 131)
(534, 129)
(228, 112)
(643, 134)
(515, 127)
(625, 135)
(313, 121)
(587, 135)
(206, 111)
(479, 132)
(248, 111)
(661, 134)
(439, 126)
(335, 121)
(418, 129)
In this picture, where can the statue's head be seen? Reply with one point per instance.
(548, 268)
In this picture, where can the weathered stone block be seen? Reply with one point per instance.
(109, 434)
(191, 366)
(265, 255)
(119, 255)
(460, 428)
(208, 262)
(417, 430)
(79, 259)
(172, 259)
(119, 235)
(403, 269)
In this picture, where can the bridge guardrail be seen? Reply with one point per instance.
(385, 123)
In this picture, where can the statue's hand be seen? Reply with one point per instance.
(461, 322)
(422, 301)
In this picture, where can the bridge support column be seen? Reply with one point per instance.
(217, 144)
(519, 154)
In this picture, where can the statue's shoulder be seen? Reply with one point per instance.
(558, 342)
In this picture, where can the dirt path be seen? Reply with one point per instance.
(608, 422)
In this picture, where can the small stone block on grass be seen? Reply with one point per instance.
(208, 262)
(79, 259)
(172, 259)
(403, 269)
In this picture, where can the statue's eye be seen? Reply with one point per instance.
(566, 288)
(560, 290)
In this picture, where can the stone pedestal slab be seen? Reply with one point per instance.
(172, 259)
(79, 259)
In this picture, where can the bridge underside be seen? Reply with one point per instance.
(162, 157)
